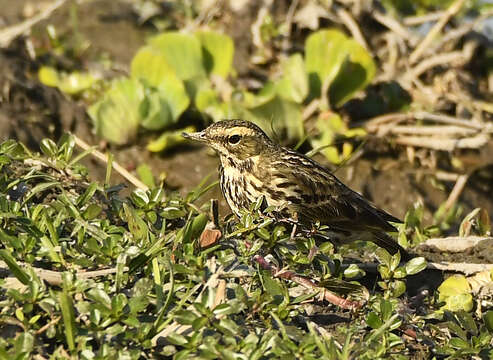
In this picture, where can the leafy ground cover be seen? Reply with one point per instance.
(98, 275)
(395, 97)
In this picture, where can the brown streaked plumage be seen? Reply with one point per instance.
(252, 165)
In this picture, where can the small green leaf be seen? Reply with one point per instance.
(70, 83)
(145, 174)
(373, 320)
(48, 147)
(415, 265)
(353, 271)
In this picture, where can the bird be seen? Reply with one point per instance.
(252, 165)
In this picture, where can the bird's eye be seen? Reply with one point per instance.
(234, 139)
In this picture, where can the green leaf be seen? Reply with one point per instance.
(70, 83)
(150, 65)
(353, 271)
(182, 52)
(336, 62)
(415, 265)
(456, 293)
(217, 52)
(357, 71)
(116, 117)
(68, 315)
(329, 126)
(167, 99)
(458, 343)
(169, 139)
(282, 116)
(18, 272)
(23, 345)
(163, 106)
(145, 174)
(48, 147)
(488, 320)
(324, 56)
(293, 85)
(136, 224)
(373, 320)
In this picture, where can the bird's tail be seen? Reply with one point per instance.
(388, 243)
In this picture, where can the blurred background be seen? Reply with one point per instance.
(396, 97)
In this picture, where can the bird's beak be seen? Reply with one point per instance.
(196, 136)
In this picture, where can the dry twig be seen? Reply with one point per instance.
(120, 169)
(307, 283)
(8, 34)
(425, 43)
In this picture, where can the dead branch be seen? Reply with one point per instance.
(352, 26)
(55, 277)
(8, 34)
(454, 244)
(394, 25)
(445, 119)
(435, 130)
(118, 168)
(455, 57)
(425, 43)
(433, 143)
(421, 19)
(456, 191)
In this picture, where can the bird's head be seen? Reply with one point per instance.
(235, 139)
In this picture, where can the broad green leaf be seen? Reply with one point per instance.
(23, 345)
(456, 293)
(217, 52)
(169, 140)
(324, 55)
(116, 117)
(373, 320)
(357, 71)
(167, 99)
(278, 117)
(154, 111)
(293, 84)
(182, 52)
(150, 64)
(207, 101)
(136, 224)
(336, 62)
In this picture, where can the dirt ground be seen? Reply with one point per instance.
(30, 111)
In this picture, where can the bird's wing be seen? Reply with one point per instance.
(326, 199)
